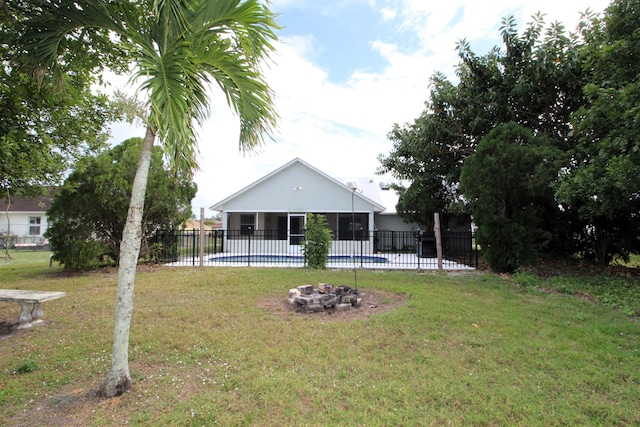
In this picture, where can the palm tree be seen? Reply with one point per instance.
(177, 48)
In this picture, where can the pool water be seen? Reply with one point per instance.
(296, 258)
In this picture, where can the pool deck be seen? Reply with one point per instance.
(395, 262)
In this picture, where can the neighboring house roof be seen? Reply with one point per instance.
(313, 176)
(40, 203)
(194, 223)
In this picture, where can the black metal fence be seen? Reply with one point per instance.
(382, 249)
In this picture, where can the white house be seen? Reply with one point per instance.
(26, 219)
(273, 209)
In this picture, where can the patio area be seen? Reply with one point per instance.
(376, 250)
(374, 262)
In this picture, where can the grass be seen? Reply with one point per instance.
(464, 349)
(615, 291)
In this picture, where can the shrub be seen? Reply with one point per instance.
(317, 244)
(81, 254)
(26, 368)
(508, 184)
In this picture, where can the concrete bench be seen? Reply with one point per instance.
(31, 302)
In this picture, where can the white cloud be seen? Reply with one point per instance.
(388, 13)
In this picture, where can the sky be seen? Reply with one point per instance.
(344, 72)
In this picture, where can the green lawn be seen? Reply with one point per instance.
(208, 349)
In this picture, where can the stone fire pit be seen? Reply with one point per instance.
(326, 297)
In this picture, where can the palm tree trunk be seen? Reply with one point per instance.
(118, 379)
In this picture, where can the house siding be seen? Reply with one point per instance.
(20, 225)
(297, 189)
(17, 218)
(393, 222)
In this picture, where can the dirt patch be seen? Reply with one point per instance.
(69, 410)
(373, 302)
(547, 267)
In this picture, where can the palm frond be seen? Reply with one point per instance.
(180, 47)
(220, 47)
(59, 20)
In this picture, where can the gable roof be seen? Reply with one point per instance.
(40, 203)
(220, 206)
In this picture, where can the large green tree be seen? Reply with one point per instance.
(579, 91)
(88, 213)
(507, 183)
(601, 183)
(177, 48)
(46, 126)
(535, 80)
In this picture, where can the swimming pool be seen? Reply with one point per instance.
(282, 259)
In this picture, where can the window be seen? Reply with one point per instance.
(34, 226)
(247, 225)
(282, 228)
(353, 225)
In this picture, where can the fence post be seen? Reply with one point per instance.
(201, 248)
(249, 247)
(193, 248)
(474, 249)
(361, 242)
(436, 229)
(156, 246)
(418, 247)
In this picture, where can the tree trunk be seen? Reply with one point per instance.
(118, 379)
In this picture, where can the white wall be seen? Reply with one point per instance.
(298, 189)
(393, 222)
(282, 247)
(19, 224)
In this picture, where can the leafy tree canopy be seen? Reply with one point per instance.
(579, 91)
(88, 213)
(535, 80)
(601, 181)
(507, 183)
(45, 126)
